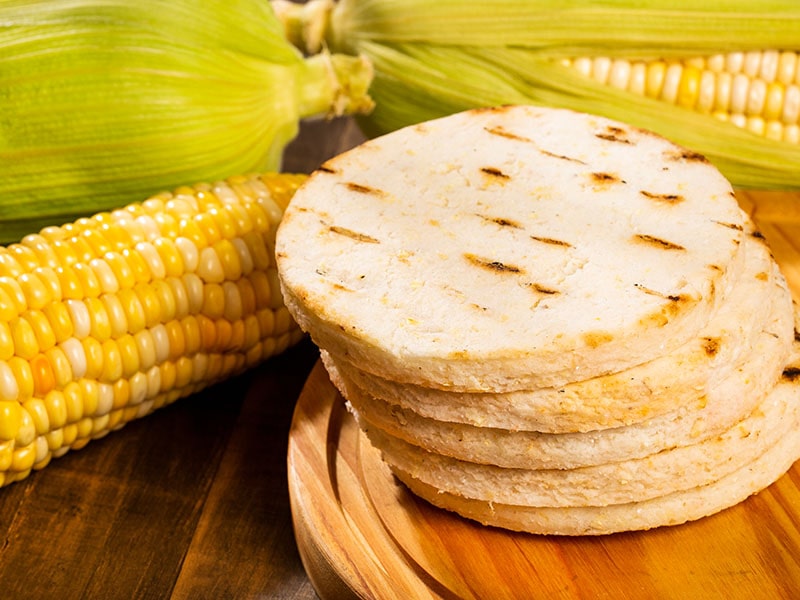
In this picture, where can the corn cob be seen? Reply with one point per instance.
(432, 59)
(103, 101)
(756, 90)
(108, 318)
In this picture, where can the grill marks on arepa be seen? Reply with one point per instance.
(579, 293)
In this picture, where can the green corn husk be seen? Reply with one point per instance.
(435, 58)
(105, 102)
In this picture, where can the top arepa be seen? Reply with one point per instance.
(509, 248)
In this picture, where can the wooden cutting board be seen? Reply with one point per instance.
(363, 535)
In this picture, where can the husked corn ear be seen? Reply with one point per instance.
(110, 317)
(758, 90)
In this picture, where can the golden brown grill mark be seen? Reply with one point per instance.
(687, 155)
(359, 237)
(675, 303)
(711, 346)
(614, 134)
(501, 221)
(734, 226)
(552, 241)
(657, 242)
(762, 276)
(791, 373)
(503, 132)
(492, 265)
(494, 172)
(325, 168)
(364, 189)
(666, 198)
(561, 157)
(595, 339)
(543, 289)
(602, 180)
(758, 235)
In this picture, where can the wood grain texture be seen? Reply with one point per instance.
(363, 535)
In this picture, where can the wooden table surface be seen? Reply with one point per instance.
(189, 502)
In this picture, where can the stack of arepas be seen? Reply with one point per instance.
(548, 321)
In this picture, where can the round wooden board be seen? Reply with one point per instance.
(362, 534)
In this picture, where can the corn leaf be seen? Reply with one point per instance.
(104, 102)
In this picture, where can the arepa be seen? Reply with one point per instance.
(491, 250)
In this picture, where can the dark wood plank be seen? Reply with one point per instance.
(244, 546)
(117, 515)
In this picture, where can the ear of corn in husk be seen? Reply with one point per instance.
(111, 317)
(436, 58)
(103, 102)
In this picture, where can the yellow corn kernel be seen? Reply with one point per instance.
(224, 335)
(25, 257)
(23, 375)
(40, 325)
(170, 257)
(229, 259)
(74, 352)
(209, 267)
(13, 294)
(191, 335)
(6, 341)
(25, 344)
(176, 341)
(689, 87)
(129, 355)
(71, 285)
(74, 402)
(89, 281)
(161, 342)
(225, 223)
(146, 348)
(99, 319)
(112, 362)
(60, 321)
(168, 376)
(37, 294)
(208, 228)
(56, 407)
(165, 299)
(55, 440)
(213, 301)
(60, 365)
(43, 378)
(37, 410)
(149, 303)
(180, 296)
(9, 267)
(237, 336)
(132, 310)
(117, 320)
(10, 416)
(93, 353)
(190, 254)
(23, 461)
